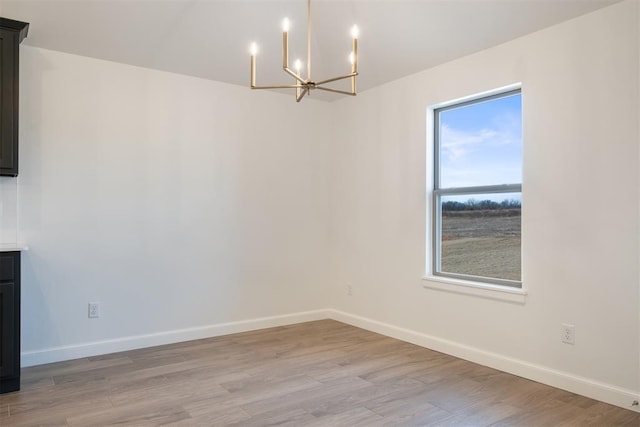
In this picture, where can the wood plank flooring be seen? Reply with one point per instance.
(322, 373)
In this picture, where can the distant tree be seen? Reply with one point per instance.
(475, 205)
(472, 205)
(453, 206)
(513, 203)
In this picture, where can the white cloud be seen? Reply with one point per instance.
(458, 143)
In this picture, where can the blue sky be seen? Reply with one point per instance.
(481, 144)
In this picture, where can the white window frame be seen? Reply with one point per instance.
(503, 289)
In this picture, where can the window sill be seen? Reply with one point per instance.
(483, 290)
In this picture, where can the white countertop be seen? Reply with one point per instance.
(13, 247)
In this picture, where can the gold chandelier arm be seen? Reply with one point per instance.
(346, 76)
(302, 94)
(308, 39)
(275, 87)
(294, 75)
(344, 92)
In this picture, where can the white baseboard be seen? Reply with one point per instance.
(69, 352)
(562, 380)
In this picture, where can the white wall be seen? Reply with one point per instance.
(175, 202)
(580, 194)
(8, 211)
(638, 130)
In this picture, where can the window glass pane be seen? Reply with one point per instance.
(481, 143)
(481, 235)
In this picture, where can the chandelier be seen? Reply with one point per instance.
(304, 86)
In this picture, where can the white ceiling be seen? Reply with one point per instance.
(210, 38)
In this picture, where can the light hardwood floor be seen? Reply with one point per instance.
(321, 373)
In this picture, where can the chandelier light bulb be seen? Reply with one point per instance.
(355, 31)
(298, 65)
(253, 49)
(286, 25)
(352, 58)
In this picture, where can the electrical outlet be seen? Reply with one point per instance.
(94, 310)
(568, 334)
(349, 289)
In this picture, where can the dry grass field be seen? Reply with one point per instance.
(482, 243)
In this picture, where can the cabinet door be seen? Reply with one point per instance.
(8, 103)
(7, 330)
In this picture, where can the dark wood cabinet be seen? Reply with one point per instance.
(11, 35)
(9, 321)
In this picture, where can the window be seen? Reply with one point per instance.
(477, 190)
